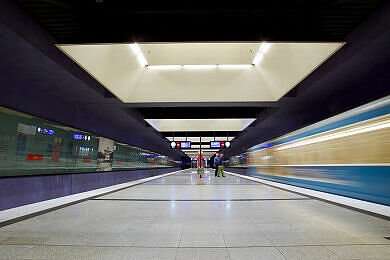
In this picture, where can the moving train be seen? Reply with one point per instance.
(348, 155)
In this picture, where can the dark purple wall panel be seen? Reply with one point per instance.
(18, 191)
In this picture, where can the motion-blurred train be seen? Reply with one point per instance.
(348, 154)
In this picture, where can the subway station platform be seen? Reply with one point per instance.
(184, 217)
(107, 108)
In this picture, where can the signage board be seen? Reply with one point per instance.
(220, 144)
(180, 145)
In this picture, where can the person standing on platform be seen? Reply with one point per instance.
(215, 164)
(220, 166)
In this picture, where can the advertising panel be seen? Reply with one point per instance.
(105, 154)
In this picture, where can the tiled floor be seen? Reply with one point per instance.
(184, 217)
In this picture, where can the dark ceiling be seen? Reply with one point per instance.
(358, 73)
(92, 21)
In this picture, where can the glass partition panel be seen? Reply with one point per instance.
(30, 145)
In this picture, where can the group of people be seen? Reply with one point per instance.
(218, 164)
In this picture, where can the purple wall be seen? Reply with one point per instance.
(18, 191)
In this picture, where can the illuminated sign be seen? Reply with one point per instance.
(180, 145)
(81, 137)
(220, 144)
(45, 131)
(185, 145)
(77, 136)
(215, 144)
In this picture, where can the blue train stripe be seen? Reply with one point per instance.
(369, 183)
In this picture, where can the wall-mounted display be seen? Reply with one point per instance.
(220, 144)
(180, 145)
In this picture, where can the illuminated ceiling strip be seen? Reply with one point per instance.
(235, 66)
(142, 60)
(164, 67)
(359, 130)
(201, 125)
(199, 66)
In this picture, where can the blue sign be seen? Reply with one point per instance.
(51, 132)
(220, 144)
(180, 145)
(184, 145)
(77, 136)
(215, 144)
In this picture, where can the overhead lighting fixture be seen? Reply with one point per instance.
(164, 67)
(205, 66)
(142, 60)
(260, 54)
(200, 125)
(140, 56)
(199, 66)
(235, 66)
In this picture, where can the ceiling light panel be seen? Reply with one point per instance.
(121, 69)
(197, 150)
(236, 66)
(194, 139)
(199, 67)
(197, 139)
(165, 67)
(199, 53)
(195, 67)
(223, 138)
(177, 139)
(207, 139)
(195, 125)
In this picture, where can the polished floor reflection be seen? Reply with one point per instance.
(185, 217)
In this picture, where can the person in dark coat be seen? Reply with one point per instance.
(215, 164)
